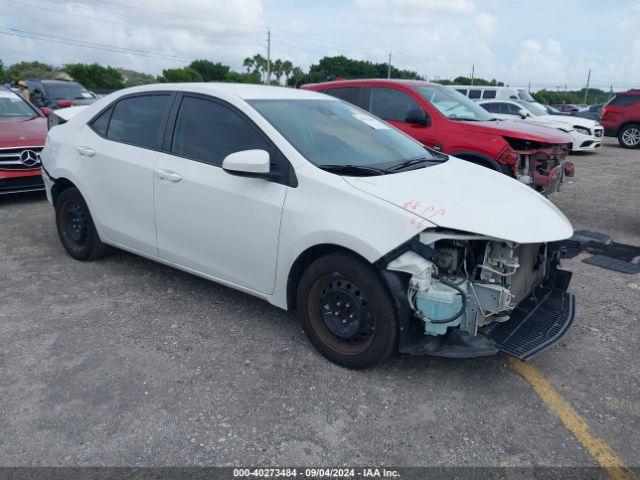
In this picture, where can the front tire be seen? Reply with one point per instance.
(629, 136)
(346, 311)
(75, 227)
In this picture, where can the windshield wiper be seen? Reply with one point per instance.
(417, 161)
(350, 169)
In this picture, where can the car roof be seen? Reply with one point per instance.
(382, 81)
(244, 91)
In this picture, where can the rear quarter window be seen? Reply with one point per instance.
(624, 100)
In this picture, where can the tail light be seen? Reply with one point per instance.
(65, 103)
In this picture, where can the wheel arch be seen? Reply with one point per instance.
(478, 159)
(59, 186)
(306, 258)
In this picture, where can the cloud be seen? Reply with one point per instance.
(536, 60)
(451, 6)
(157, 35)
(485, 24)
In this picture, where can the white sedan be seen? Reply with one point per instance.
(374, 242)
(587, 134)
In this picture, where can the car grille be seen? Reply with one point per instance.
(20, 158)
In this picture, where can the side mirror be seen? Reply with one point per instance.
(417, 116)
(46, 111)
(247, 163)
(523, 113)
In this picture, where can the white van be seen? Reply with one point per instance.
(482, 92)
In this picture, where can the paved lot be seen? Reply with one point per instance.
(127, 362)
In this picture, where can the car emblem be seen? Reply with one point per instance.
(29, 158)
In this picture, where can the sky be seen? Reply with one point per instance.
(550, 43)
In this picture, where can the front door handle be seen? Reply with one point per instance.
(168, 175)
(86, 151)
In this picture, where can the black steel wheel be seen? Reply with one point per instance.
(346, 311)
(75, 227)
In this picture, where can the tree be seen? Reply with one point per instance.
(29, 70)
(277, 69)
(237, 77)
(287, 66)
(209, 71)
(179, 75)
(95, 77)
(248, 63)
(2, 72)
(260, 64)
(297, 77)
(133, 78)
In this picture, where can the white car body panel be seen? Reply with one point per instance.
(470, 202)
(260, 228)
(566, 123)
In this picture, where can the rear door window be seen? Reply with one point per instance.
(493, 107)
(390, 104)
(139, 120)
(489, 94)
(475, 94)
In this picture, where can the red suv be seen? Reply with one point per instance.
(621, 118)
(445, 120)
(23, 130)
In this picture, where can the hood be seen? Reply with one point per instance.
(520, 130)
(18, 132)
(570, 120)
(461, 196)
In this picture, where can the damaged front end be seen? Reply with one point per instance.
(539, 165)
(465, 295)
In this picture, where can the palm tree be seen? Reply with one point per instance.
(249, 63)
(287, 66)
(260, 64)
(277, 69)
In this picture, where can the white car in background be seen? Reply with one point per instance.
(587, 134)
(375, 242)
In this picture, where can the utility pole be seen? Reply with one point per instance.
(529, 86)
(586, 91)
(389, 67)
(473, 70)
(269, 57)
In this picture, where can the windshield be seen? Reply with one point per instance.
(525, 95)
(535, 108)
(333, 132)
(67, 91)
(452, 104)
(11, 105)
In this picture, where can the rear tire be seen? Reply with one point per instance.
(346, 311)
(629, 136)
(75, 227)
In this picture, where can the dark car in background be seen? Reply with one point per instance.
(594, 112)
(59, 93)
(23, 129)
(621, 118)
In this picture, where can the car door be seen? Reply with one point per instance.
(208, 220)
(393, 105)
(117, 152)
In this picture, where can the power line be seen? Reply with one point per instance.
(96, 46)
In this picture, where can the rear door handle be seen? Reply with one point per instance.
(168, 175)
(86, 151)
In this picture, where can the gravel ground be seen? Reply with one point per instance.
(126, 362)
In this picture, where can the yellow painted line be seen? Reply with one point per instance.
(596, 447)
